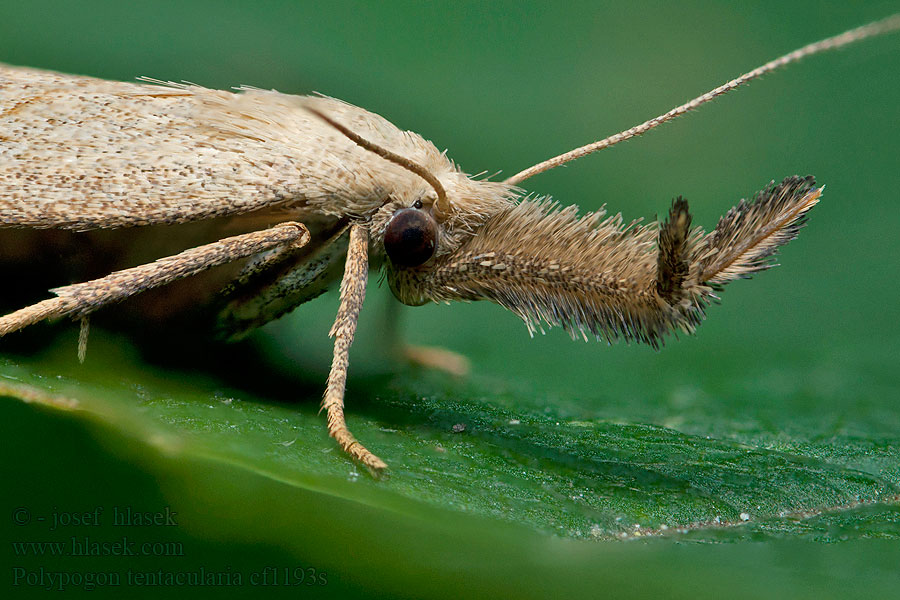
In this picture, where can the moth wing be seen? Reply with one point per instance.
(83, 153)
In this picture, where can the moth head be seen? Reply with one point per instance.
(416, 235)
(427, 218)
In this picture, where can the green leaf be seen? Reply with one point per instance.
(481, 448)
(479, 464)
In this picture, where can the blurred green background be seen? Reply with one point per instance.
(784, 408)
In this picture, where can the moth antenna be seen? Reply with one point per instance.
(885, 25)
(441, 206)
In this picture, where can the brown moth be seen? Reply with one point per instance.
(267, 199)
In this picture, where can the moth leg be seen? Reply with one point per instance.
(429, 357)
(435, 357)
(81, 299)
(353, 292)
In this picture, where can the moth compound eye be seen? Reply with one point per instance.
(410, 238)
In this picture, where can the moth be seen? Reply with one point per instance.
(268, 198)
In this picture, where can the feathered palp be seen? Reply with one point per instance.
(598, 276)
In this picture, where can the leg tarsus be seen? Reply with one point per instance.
(84, 330)
(435, 357)
(430, 357)
(45, 309)
(337, 429)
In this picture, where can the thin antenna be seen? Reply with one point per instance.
(441, 205)
(886, 25)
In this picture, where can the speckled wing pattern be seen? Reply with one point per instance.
(83, 153)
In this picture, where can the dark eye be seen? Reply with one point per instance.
(410, 238)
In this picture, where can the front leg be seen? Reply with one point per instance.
(81, 299)
(353, 292)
